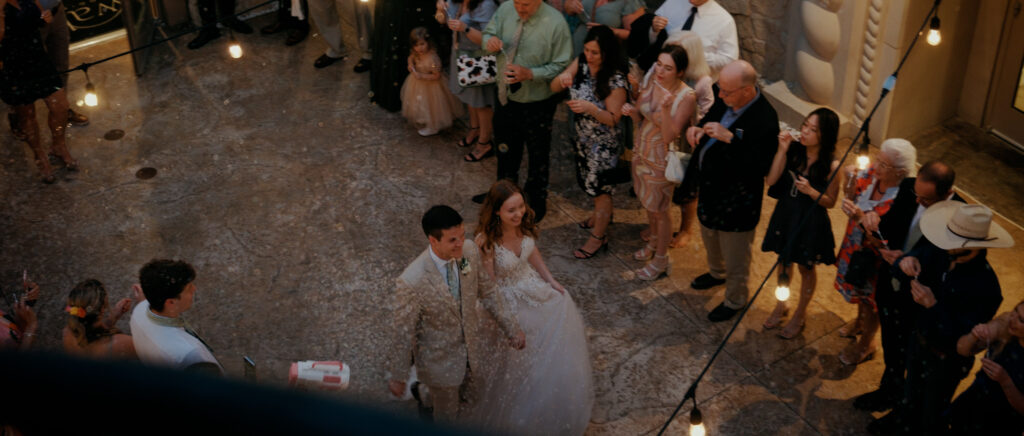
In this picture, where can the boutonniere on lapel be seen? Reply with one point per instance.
(464, 266)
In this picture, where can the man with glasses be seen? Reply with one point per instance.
(897, 311)
(734, 145)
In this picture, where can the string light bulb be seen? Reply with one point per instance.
(782, 289)
(234, 48)
(91, 99)
(863, 160)
(934, 37)
(696, 422)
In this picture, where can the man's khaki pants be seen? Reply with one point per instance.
(729, 259)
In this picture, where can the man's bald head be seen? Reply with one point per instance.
(736, 83)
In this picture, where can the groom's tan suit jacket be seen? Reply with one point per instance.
(430, 323)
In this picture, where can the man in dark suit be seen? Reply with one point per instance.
(897, 311)
(733, 149)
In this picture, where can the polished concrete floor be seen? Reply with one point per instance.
(299, 202)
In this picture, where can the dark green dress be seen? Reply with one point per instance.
(393, 20)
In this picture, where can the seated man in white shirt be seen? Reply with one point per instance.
(159, 333)
(706, 18)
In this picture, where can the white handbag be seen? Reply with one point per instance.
(675, 166)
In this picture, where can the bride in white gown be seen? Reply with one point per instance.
(546, 388)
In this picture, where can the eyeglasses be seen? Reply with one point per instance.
(725, 93)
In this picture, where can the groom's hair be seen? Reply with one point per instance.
(438, 219)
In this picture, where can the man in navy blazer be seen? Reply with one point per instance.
(733, 149)
(897, 310)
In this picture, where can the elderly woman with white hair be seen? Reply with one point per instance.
(869, 194)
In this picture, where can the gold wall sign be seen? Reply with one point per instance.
(92, 14)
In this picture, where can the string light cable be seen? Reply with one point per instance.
(691, 392)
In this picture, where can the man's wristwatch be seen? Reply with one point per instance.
(466, 30)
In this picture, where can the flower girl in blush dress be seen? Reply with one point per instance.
(546, 388)
(426, 101)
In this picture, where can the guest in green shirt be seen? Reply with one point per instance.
(535, 46)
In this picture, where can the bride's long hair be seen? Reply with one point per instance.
(490, 222)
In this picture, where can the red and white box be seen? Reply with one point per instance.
(319, 375)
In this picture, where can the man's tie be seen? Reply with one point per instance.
(453, 281)
(913, 237)
(510, 57)
(189, 330)
(689, 21)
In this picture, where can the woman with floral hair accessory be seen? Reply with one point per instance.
(88, 332)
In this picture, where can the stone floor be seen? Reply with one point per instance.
(299, 202)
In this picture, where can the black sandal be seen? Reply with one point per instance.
(585, 225)
(463, 143)
(582, 254)
(470, 157)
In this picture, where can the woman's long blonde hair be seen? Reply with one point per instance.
(91, 296)
(694, 47)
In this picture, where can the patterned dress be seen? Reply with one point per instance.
(649, 151)
(865, 184)
(597, 144)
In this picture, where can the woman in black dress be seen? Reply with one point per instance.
(392, 22)
(799, 174)
(27, 74)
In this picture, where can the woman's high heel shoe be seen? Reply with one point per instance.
(46, 171)
(587, 224)
(651, 271)
(584, 254)
(644, 253)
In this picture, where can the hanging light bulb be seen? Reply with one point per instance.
(91, 99)
(782, 289)
(862, 154)
(234, 48)
(696, 422)
(934, 37)
(863, 161)
(364, 1)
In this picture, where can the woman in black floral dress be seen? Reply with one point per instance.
(597, 89)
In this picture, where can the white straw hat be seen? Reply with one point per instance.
(952, 224)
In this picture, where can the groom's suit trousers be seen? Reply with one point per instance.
(446, 403)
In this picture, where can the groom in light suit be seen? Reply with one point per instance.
(435, 313)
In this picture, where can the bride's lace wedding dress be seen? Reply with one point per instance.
(545, 388)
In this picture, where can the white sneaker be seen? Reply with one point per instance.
(426, 132)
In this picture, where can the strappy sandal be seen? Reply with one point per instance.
(463, 143)
(470, 157)
(775, 319)
(651, 272)
(586, 224)
(788, 332)
(582, 254)
(644, 253)
(850, 330)
(864, 357)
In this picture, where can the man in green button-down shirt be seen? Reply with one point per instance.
(544, 49)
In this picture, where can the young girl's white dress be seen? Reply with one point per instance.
(427, 103)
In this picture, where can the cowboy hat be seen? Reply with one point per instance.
(952, 224)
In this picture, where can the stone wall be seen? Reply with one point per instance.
(763, 34)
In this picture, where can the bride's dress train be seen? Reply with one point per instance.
(546, 388)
